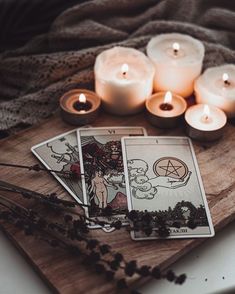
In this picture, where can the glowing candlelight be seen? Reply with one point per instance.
(176, 47)
(206, 114)
(82, 104)
(226, 79)
(168, 98)
(166, 105)
(82, 98)
(125, 69)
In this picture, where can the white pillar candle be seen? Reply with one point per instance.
(205, 122)
(123, 80)
(178, 62)
(216, 86)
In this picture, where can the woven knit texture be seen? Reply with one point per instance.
(33, 77)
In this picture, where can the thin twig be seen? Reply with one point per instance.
(37, 167)
(4, 186)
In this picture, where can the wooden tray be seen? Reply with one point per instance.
(63, 272)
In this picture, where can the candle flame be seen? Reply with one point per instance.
(82, 98)
(176, 46)
(225, 77)
(125, 68)
(168, 98)
(206, 112)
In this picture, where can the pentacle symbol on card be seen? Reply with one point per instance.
(170, 167)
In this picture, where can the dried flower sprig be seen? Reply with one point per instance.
(153, 222)
(100, 256)
(56, 203)
(48, 198)
(37, 168)
(145, 222)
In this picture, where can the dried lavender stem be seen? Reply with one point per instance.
(39, 168)
(18, 189)
(24, 213)
(11, 202)
(4, 186)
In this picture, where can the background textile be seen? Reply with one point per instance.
(49, 47)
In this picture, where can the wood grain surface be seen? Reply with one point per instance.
(63, 272)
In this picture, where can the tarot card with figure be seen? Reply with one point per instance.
(166, 181)
(102, 166)
(61, 154)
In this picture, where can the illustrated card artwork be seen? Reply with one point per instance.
(61, 154)
(162, 175)
(102, 165)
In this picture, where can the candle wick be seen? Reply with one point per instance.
(206, 119)
(226, 82)
(176, 51)
(166, 106)
(82, 106)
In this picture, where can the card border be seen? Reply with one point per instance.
(211, 227)
(82, 166)
(48, 167)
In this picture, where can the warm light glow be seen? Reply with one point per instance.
(82, 98)
(206, 112)
(225, 77)
(176, 47)
(168, 98)
(125, 69)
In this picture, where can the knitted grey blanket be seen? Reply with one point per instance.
(33, 77)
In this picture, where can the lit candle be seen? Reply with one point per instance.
(206, 117)
(82, 104)
(216, 86)
(125, 69)
(178, 62)
(204, 122)
(176, 48)
(123, 80)
(226, 79)
(165, 110)
(79, 106)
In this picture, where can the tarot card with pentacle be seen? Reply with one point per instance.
(162, 177)
(102, 168)
(61, 154)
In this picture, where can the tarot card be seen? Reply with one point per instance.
(102, 166)
(166, 180)
(61, 154)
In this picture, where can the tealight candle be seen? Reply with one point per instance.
(216, 86)
(123, 80)
(205, 122)
(178, 62)
(165, 110)
(79, 106)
